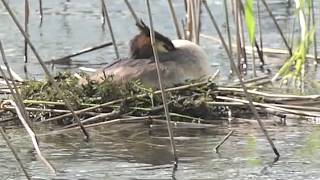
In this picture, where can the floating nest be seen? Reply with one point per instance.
(186, 102)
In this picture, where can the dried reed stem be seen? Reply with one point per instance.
(41, 12)
(216, 148)
(26, 22)
(106, 14)
(225, 3)
(277, 26)
(33, 138)
(164, 98)
(51, 79)
(134, 15)
(86, 50)
(315, 34)
(271, 106)
(14, 91)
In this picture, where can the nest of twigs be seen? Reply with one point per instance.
(186, 102)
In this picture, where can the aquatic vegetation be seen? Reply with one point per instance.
(134, 97)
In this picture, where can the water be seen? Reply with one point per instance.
(137, 151)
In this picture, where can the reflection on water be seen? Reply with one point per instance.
(138, 151)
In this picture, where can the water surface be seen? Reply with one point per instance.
(138, 151)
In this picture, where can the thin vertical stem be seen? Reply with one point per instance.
(105, 9)
(253, 63)
(164, 99)
(26, 22)
(237, 34)
(44, 67)
(175, 21)
(198, 20)
(242, 41)
(134, 15)
(260, 33)
(15, 91)
(103, 16)
(41, 12)
(277, 26)
(228, 25)
(315, 34)
(247, 95)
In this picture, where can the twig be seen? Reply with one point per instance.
(14, 152)
(30, 101)
(4, 106)
(216, 148)
(86, 50)
(303, 113)
(252, 80)
(106, 14)
(164, 98)
(96, 118)
(289, 96)
(54, 84)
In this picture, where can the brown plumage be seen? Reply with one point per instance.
(140, 45)
(180, 60)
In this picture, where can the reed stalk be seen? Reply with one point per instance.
(163, 95)
(106, 14)
(33, 137)
(216, 148)
(317, 61)
(277, 26)
(134, 15)
(41, 12)
(26, 22)
(86, 50)
(225, 3)
(14, 90)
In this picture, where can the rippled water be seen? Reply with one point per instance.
(137, 151)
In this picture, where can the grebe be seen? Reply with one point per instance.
(180, 60)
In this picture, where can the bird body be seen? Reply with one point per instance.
(180, 60)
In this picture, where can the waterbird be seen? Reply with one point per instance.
(180, 60)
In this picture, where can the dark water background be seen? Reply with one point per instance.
(136, 151)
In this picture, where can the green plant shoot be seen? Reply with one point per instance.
(250, 20)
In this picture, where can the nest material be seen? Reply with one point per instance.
(137, 99)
